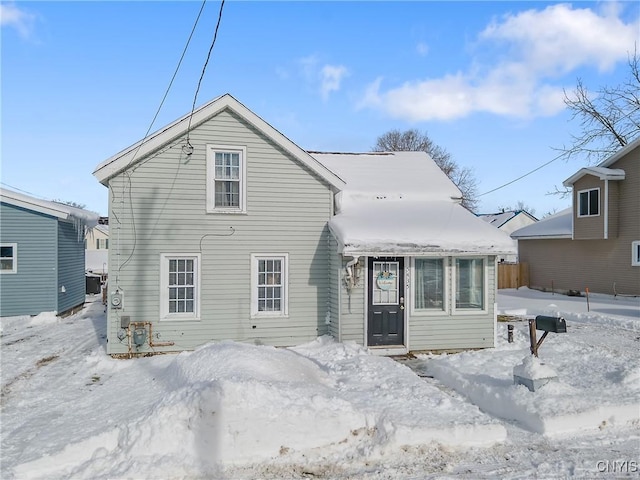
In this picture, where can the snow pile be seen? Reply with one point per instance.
(327, 409)
(597, 372)
(532, 367)
(230, 404)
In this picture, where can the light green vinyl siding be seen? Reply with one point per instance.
(353, 306)
(160, 208)
(460, 331)
(335, 288)
(33, 288)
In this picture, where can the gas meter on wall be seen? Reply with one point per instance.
(116, 300)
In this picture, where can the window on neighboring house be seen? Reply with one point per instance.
(589, 202)
(102, 243)
(226, 188)
(470, 283)
(429, 284)
(635, 253)
(269, 291)
(180, 277)
(8, 258)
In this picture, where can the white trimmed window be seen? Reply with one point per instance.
(226, 179)
(429, 285)
(471, 284)
(589, 202)
(9, 258)
(180, 286)
(269, 284)
(635, 253)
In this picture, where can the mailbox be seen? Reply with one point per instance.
(551, 324)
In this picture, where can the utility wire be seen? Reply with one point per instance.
(175, 73)
(521, 177)
(204, 68)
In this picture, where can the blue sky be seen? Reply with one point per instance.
(83, 80)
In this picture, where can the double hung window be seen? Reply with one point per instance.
(226, 172)
(180, 278)
(269, 285)
(589, 202)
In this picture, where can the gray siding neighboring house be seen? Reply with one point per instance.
(42, 255)
(595, 244)
(230, 231)
(509, 222)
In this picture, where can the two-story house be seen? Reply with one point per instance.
(595, 244)
(224, 229)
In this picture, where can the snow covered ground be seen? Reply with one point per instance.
(324, 409)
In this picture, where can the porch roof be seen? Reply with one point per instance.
(416, 227)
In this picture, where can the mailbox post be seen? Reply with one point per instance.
(546, 324)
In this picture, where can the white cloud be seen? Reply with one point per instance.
(14, 17)
(326, 78)
(332, 76)
(540, 47)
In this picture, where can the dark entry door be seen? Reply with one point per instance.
(386, 301)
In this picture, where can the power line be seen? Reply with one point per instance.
(175, 73)
(521, 177)
(204, 68)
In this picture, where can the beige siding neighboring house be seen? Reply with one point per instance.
(227, 230)
(596, 243)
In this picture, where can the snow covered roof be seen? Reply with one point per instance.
(136, 152)
(402, 203)
(499, 219)
(412, 227)
(558, 225)
(54, 209)
(394, 175)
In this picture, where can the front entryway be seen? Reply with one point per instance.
(386, 301)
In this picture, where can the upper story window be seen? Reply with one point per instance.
(635, 253)
(589, 202)
(8, 258)
(226, 179)
(102, 243)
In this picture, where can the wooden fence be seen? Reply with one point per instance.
(513, 275)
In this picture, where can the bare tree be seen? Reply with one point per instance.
(415, 141)
(610, 118)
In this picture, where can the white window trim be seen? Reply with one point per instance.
(14, 257)
(599, 202)
(454, 286)
(164, 287)
(635, 253)
(446, 280)
(284, 313)
(211, 163)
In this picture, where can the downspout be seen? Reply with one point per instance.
(606, 209)
(351, 279)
